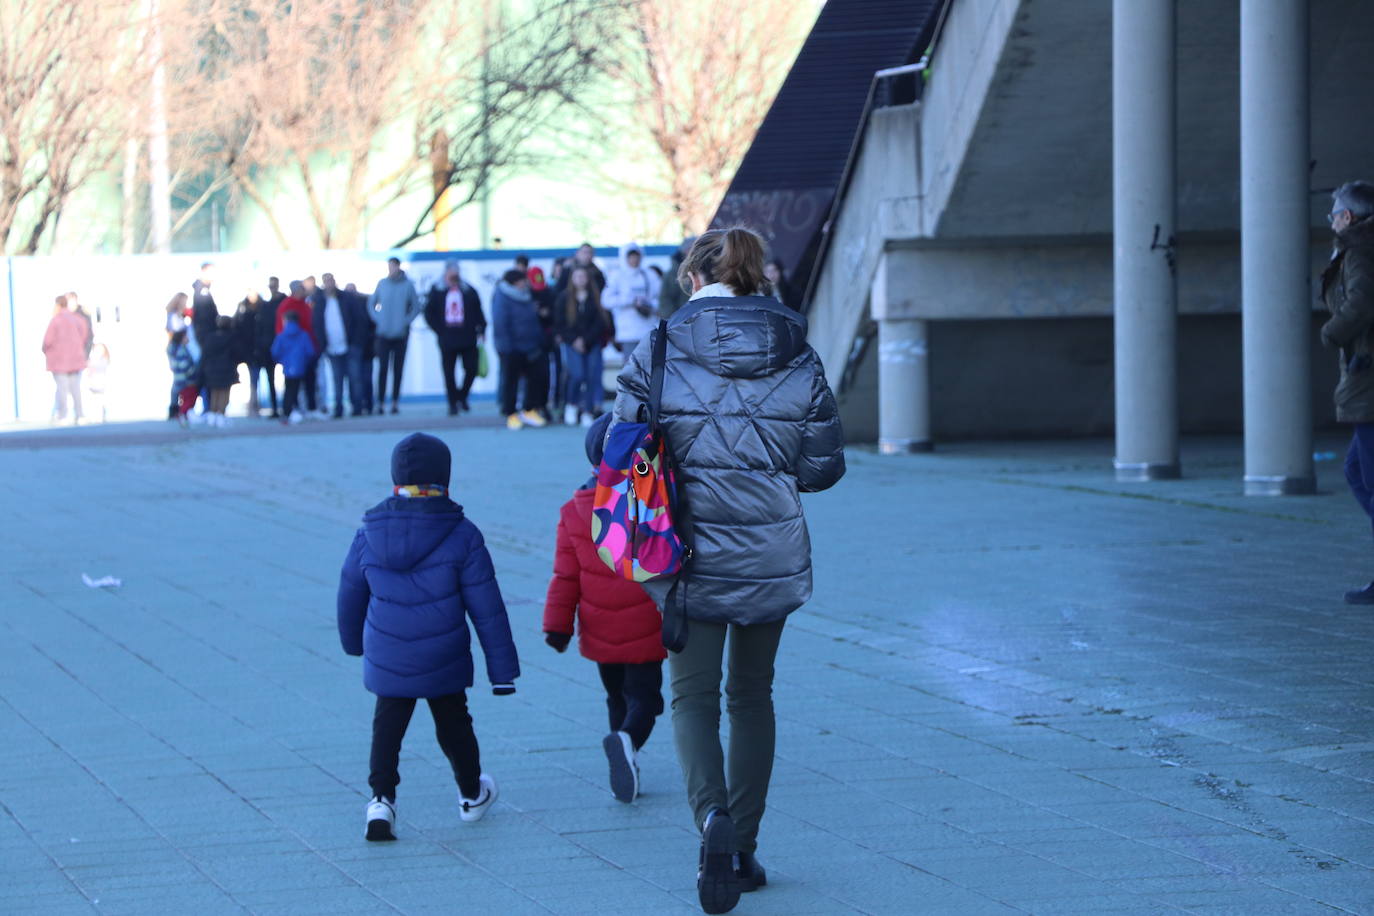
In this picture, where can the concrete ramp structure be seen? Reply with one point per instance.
(1097, 217)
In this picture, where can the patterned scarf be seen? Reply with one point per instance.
(420, 490)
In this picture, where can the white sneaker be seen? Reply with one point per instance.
(532, 418)
(588, 420)
(570, 415)
(473, 809)
(381, 819)
(620, 754)
(296, 417)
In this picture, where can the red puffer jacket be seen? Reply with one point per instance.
(617, 621)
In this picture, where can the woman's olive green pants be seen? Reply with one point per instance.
(736, 781)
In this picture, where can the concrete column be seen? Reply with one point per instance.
(903, 387)
(903, 372)
(1143, 111)
(1275, 229)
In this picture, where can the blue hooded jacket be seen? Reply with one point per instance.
(417, 571)
(515, 320)
(294, 349)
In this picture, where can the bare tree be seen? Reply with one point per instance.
(702, 75)
(67, 68)
(344, 99)
(529, 73)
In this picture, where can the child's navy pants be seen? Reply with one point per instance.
(634, 698)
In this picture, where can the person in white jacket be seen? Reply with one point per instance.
(631, 296)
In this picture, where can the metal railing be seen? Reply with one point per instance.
(880, 95)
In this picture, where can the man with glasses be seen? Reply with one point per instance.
(1348, 292)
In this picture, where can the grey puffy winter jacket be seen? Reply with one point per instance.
(751, 422)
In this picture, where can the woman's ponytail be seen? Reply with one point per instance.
(731, 256)
(740, 265)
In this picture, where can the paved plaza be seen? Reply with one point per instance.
(1021, 687)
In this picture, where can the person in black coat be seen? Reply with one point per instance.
(778, 285)
(264, 333)
(219, 368)
(246, 319)
(204, 317)
(453, 310)
(544, 298)
(582, 328)
(583, 257)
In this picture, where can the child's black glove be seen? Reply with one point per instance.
(503, 690)
(558, 641)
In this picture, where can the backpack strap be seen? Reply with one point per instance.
(656, 370)
(674, 630)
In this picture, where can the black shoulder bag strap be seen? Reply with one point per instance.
(675, 605)
(656, 369)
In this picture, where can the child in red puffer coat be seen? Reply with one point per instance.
(618, 625)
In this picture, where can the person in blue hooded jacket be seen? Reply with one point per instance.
(418, 570)
(520, 347)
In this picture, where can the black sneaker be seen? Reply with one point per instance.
(750, 873)
(1361, 595)
(718, 886)
(620, 754)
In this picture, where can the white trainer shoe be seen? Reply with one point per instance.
(381, 820)
(474, 809)
(296, 417)
(570, 415)
(588, 421)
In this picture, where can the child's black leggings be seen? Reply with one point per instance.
(290, 395)
(634, 698)
(453, 728)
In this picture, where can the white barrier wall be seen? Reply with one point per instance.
(127, 296)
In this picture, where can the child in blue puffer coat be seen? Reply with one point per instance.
(294, 350)
(418, 570)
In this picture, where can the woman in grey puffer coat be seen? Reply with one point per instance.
(751, 423)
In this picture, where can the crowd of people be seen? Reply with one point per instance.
(311, 323)
(549, 335)
(418, 569)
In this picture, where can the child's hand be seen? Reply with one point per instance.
(502, 690)
(558, 641)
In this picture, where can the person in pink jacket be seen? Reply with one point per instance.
(64, 345)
